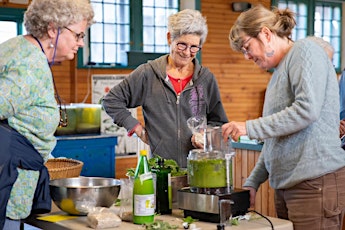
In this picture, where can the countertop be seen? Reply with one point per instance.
(85, 136)
(80, 223)
(255, 147)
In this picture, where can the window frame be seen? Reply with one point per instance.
(136, 39)
(13, 15)
(311, 5)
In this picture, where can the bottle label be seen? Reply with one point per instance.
(144, 205)
(145, 176)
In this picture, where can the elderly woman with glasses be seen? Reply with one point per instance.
(29, 114)
(170, 89)
(301, 156)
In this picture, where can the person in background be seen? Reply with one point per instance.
(325, 45)
(29, 114)
(170, 89)
(342, 107)
(301, 155)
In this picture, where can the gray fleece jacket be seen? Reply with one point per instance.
(166, 113)
(300, 123)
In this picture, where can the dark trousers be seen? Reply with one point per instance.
(17, 152)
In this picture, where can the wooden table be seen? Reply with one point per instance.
(80, 223)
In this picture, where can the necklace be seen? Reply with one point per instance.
(62, 112)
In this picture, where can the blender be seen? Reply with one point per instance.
(210, 180)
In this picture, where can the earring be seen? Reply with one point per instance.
(51, 45)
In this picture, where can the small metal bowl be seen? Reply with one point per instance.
(78, 195)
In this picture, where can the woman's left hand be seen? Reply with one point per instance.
(234, 130)
(197, 140)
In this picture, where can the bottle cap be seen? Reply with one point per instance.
(143, 152)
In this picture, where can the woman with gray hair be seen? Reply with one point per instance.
(29, 114)
(170, 89)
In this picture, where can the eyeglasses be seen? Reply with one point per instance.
(79, 36)
(245, 51)
(183, 46)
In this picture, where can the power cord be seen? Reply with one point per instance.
(263, 217)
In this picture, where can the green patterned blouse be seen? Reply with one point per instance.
(27, 101)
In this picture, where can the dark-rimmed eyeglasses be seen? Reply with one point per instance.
(183, 46)
(245, 51)
(77, 36)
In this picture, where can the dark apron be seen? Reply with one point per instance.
(17, 152)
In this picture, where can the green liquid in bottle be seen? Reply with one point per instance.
(143, 192)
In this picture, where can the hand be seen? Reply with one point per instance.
(197, 140)
(142, 134)
(342, 128)
(234, 130)
(252, 194)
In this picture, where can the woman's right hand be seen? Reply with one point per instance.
(142, 134)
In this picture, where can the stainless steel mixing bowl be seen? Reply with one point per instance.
(78, 195)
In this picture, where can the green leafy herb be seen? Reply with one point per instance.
(160, 225)
(172, 164)
(234, 221)
(189, 220)
(118, 202)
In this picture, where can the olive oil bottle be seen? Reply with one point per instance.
(143, 192)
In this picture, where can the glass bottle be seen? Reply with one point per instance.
(143, 192)
(163, 193)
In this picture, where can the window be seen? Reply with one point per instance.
(318, 18)
(123, 26)
(11, 23)
(155, 22)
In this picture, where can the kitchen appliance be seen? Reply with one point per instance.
(205, 207)
(210, 180)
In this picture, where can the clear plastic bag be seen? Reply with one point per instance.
(126, 199)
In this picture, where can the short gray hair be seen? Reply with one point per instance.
(324, 44)
(60, 13)
(188, 21)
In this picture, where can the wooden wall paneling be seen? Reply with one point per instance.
(243, 164)
(241, 81)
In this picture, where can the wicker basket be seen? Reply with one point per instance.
(59, 168)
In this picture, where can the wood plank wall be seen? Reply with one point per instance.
(243, 163)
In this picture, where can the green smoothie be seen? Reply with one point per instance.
(207, 173)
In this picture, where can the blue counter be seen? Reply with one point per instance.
(97, 152)
(255, 147)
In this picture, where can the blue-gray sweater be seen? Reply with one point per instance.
(164, 111)
(300, 123)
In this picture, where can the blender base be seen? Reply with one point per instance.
(205, 207)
